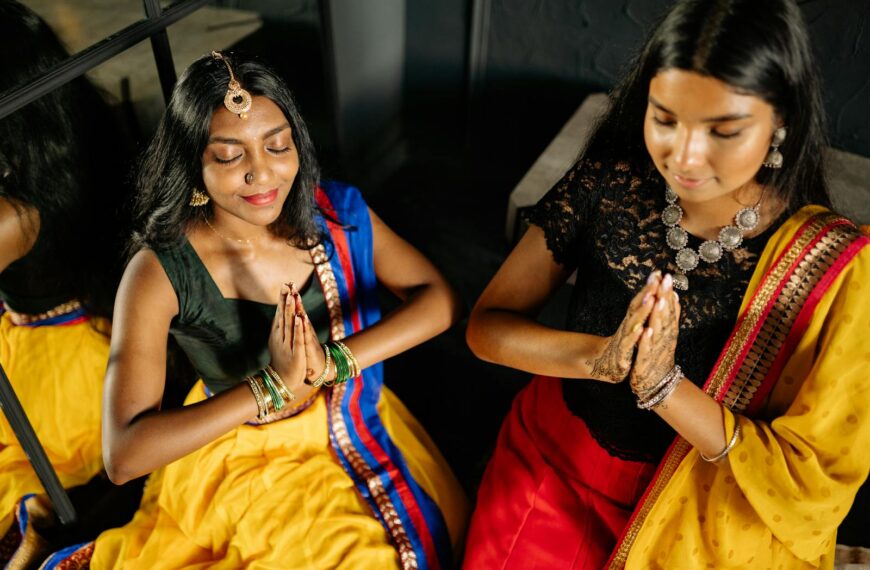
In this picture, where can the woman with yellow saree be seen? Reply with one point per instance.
(706, 405)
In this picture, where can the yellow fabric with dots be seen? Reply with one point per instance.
(274, 497)
(57, 373)
(777, 500)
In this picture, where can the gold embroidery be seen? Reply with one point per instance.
(776, 327)
(20, 319)
(387, 510)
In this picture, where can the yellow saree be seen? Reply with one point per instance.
(798, 375)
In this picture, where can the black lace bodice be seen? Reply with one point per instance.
(604, 219)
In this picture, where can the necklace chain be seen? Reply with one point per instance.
(730, 237)
(222, 236)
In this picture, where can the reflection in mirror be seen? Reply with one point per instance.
(62, 167)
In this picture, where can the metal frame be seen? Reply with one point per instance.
(154, 27)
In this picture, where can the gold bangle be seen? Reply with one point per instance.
(731, 443)
(267, 396)
(285, 392)
(318, 382)
(258, 396)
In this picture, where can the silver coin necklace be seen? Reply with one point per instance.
(711, 251)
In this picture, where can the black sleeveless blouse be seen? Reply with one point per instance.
(225, 339)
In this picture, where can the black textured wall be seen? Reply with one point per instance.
(547, 54)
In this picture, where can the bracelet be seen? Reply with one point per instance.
(261, 402)
(644, 393)
(354, 364)
(286, 394)
(277, 400)
(341, 366)
(652, 397)
(318, 382)
(731, 443)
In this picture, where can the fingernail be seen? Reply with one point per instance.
(647, 298)
(653, 276)
(667, 282)
(648, 332)
(660, 305)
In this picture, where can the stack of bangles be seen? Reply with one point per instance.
(269, 390)
(649, 398)
(338, 356)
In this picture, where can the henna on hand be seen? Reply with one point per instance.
(655, 355)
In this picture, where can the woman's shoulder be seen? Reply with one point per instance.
(342, 202)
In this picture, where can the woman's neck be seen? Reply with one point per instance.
(705, 219)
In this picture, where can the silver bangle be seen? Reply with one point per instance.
(731, 443)
(646, 392)
(649, 398)
(659, 397)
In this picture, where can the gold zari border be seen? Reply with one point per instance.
(388, 512)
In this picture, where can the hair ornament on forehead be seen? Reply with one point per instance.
(237, 100)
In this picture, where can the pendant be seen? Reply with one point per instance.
(710, 251)
(677, 238)
(672, 215)
(681, 282)
(687, 259)
(747, 219)
(730, 237)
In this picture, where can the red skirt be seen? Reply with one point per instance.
(551, 497)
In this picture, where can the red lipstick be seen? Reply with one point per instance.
(263, 198)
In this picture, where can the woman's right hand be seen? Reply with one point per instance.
(615, 359)
(287, 340)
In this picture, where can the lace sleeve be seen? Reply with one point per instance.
(567, 208)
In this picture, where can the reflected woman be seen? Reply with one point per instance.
(61, 191)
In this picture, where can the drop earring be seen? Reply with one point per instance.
(774, 157)
(198, 198)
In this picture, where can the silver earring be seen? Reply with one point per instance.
(774, 157)
(249, 178)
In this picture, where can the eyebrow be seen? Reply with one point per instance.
(719, 119)
(266, 135)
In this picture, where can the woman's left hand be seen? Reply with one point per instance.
(314, 355)
(655, 350)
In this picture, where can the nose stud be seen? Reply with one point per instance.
(249, 178)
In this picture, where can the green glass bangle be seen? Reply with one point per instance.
(277, 400)
(340, 360)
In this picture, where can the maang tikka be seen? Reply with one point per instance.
(237, 100)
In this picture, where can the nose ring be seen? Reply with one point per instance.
(249, 178)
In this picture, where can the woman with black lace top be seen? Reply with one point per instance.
(702, 405)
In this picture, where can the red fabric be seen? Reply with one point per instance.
(551, 497)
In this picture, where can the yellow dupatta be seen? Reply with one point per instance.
(801, 375)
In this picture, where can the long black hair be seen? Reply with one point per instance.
(171, 167)
(758, 48)
(64, 156)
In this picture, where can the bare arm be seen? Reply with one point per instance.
(429, 304)
(19, 228)
(138, 437)
(503, 329)
(689, 410)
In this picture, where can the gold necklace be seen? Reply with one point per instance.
(222, 236)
